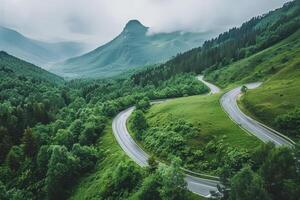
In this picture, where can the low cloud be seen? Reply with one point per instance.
(98, 21)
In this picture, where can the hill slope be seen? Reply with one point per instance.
(189, 125)
(260, 66)
(277, 101)
(132, 48)
(37, 52)
(265, 48)
(19, 67)
(238, 43)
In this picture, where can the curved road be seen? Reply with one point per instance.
(228, 101)
(264, 133)
(197, 185)
(213, 89)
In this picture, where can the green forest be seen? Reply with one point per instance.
(56, 139)
(50, 131)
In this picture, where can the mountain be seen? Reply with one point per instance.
(133, 48)
(252, 37)
(34, 51)
(18, 67)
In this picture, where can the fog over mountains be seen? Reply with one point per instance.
(34, 51)
(133, 47)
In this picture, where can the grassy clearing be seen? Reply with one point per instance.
(205, 113)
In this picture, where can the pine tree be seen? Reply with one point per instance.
(30, 144)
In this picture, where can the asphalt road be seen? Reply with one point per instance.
(125, 140)
(228, 101)
(264, 133)
(197, 185)
(213, 89)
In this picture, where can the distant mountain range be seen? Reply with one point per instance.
(11, 64)
(34, 51)
(131, 49)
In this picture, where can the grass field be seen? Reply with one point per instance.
(279, 69)
(277, 96)
(260, 66)
(213, 127)
(205, 113)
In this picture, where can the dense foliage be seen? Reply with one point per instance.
(289, 122)
(271, 173)
(175, 138)
(49, 131)
(24, 102)
(128, 181)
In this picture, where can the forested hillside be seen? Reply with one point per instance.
(52, 133)
(260, 66)
(56, 139)
(24, 69)
(253, 36)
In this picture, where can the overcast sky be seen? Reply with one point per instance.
(98, 21)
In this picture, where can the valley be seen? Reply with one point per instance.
(134, 120)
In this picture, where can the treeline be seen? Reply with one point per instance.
(118, 94)
(253, 36)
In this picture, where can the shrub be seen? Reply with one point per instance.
(289, 122)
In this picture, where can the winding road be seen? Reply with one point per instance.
(213, 89)
(200, 186)
(197, 185)
(261, 131)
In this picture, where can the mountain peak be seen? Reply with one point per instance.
(135, 26)
(3, 53)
